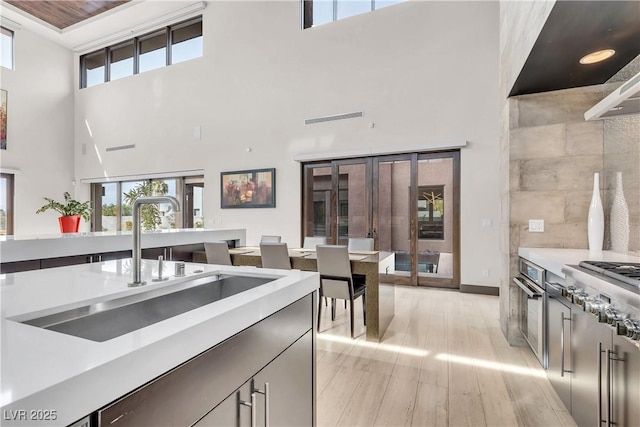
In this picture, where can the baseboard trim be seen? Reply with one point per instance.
(484, 290)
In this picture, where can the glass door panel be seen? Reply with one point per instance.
(436, 216)
(317, 201)
(109, 208)
(393, 215)
(353, 208)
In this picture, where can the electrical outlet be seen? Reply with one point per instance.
(536, 226)
(485, 273)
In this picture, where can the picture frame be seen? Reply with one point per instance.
(3, 119)
(255, 188)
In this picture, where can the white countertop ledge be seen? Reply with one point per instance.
(43, 246)
(47, 370)
(553, 259)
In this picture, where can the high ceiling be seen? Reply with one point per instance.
(62, 14)
(574, 29)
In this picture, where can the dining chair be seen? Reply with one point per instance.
(337, 282)
(270, 239)
(275, 255)
(217, 253)
(312, 242)
(360, 244)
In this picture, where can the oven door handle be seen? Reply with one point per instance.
(529, 288)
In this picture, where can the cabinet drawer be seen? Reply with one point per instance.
(186, 393)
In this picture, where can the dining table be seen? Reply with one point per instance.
(380, 300)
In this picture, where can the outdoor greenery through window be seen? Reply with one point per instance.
(113, 202)
(6, 47)
(144, 53)
(318, 12)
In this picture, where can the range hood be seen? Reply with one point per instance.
(622, 101)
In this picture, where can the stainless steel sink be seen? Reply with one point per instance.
(106, 320)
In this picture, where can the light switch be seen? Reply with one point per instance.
(536, 226)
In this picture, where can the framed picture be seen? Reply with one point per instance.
(248, 189)
(3, 119)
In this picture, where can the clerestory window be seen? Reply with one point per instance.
(162, 47)
(318, 12)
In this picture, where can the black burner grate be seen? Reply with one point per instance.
(627, 272)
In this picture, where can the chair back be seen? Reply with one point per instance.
(335, 271)
(217, 253)
(275, 255)
(312, 242)
(270, 239)
(361, 244)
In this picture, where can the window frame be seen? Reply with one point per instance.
(307, 12)
(106, 51)
(9, 32)
(181, 218)
(10, 199)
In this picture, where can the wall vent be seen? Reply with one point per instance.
(121, 147)
(334, 117)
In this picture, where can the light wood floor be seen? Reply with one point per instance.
(443, 362)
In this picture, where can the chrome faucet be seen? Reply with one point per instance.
(137, 251)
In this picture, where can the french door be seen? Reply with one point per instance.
(408, 203)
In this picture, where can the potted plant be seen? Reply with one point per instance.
(71, 211)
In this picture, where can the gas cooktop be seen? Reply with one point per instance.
(627, 272)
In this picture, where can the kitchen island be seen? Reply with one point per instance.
(32, 252)
(51, 378)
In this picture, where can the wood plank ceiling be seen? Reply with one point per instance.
(61, 13)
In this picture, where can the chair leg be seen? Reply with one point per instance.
(319, 312)
(345, 304)
(351, 315)
(333, 309)
(325, 301)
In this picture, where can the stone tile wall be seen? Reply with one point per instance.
(622, 154)
(553, 156)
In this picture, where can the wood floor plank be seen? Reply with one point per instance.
(467, 375)
(324, 374)
(432, 406)
(333, 399)
(366, 401)
(397, 405)
(468, 409)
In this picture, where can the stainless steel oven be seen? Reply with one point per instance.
(532, 308)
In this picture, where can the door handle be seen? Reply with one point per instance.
(252, 405)
(600, 351)
(265, 393)
(610, 359)
(562, 320)
(527, 288)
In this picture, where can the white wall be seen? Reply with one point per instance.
(426, 73)
(40, 128)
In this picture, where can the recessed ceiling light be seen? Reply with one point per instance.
(597, 56)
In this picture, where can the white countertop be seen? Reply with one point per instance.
(46, 370)
(29, 247)
(553, 260)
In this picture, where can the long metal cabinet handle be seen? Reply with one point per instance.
(609, 353)
(610, 360)
(599, 384)
(527, 290)
(265, 392)
(562, 344)
(562, 320)
(251, 405)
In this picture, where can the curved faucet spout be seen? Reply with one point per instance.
(137, 250)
